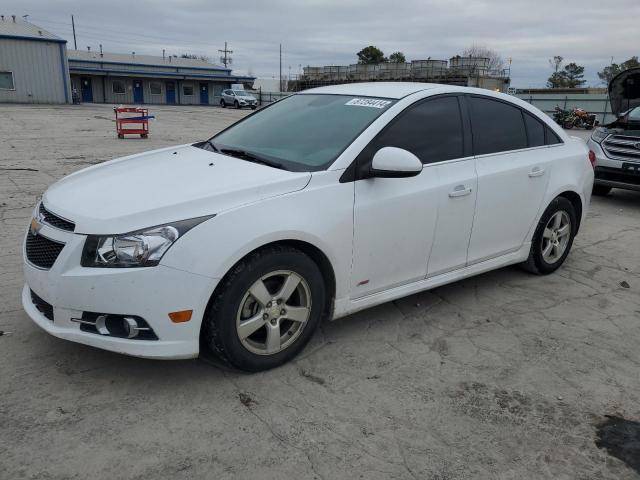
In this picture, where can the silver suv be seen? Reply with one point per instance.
(615, 148)
(238, 98)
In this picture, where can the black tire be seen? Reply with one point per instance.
(219, 332)
(601, 190)
(253, 108)
(567, 125)
(236, 104)
(223, 103)
(536, 263)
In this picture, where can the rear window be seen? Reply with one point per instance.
(497, 126)
(551, 137)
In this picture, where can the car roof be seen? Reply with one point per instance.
(375, 89)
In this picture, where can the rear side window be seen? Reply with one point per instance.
(497, 126)
(551, 137)
(431, 130)
(535, 130)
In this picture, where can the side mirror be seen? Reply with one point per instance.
(392, 162)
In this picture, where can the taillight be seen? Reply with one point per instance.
(592, 158)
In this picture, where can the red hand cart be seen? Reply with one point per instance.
(141, 121)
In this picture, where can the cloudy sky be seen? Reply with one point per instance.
(330, 32)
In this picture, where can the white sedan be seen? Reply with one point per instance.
(325, 203)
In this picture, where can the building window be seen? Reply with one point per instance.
(155, 88)
(6, 81)
(187, 90)
(118, 87)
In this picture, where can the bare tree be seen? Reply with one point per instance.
(496, 62)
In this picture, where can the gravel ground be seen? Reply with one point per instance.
(505, 375)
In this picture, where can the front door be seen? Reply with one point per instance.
(171, 92)
(512, 177)
(138, 92)
(86, 90)
(204, 94)
(400, 222)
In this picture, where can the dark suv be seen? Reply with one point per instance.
(616, 146)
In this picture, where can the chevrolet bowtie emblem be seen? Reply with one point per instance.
(35, 226)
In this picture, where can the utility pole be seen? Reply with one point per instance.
(226, 59)
(73, 26)
(280, 67)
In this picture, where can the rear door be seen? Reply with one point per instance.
(396, 220)
(513, 172)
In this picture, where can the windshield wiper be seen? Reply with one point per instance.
(250, 157)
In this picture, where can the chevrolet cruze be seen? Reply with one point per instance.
(322, 204)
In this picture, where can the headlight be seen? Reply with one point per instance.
(599, 134)
(142, 248)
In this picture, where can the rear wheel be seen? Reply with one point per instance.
(553, 237)
(266, 309)
(567, 124)
(601, 190)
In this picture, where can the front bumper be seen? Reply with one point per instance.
(151, 293)
(609, 172)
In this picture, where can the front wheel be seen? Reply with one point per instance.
(223, 104)
(236, 104)
(265, 310)
(553, 237)
(568, 124)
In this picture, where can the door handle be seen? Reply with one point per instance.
(536, 172)
(460, 191)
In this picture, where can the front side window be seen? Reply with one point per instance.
(118, 87)
(431, 130)
(304, 132)
(155, 88)
(187, 90)
(6, 81)
(497, 126)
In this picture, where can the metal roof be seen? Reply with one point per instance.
(141, 60)
(12, 26)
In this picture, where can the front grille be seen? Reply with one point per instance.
(622, 147)
(617, 175)
(43, 307)
(41, 251)
(55, 221)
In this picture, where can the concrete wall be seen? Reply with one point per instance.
(597, 103)
(40, 71)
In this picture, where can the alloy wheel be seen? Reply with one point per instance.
(273, 312)
(555, 237)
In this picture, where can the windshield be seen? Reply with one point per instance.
(241, 93)
(304, 132)
(634, 115)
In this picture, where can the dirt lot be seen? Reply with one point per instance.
(506, 375)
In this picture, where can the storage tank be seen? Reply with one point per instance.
(394, 71)
(312, 73)
(470, 65)
(428, 68)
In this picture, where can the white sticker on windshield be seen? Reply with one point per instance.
(368, 102)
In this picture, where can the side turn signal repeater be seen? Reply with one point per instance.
(181, 316)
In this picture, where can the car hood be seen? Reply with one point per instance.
(624, 91)
(163, 186)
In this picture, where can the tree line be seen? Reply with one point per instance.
(571, 75)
